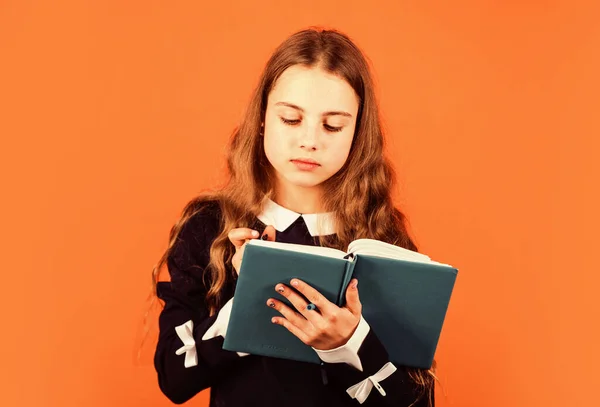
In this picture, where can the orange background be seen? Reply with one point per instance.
(115, 113)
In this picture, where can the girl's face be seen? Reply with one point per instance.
(309, 126)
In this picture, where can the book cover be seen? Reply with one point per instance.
(404, 301)
(250, 328)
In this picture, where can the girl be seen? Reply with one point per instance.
(306, 166)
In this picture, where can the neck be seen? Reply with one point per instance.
(300, 199)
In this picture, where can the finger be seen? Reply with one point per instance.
(239, 236)
(236, 261)
(352, 298)
(292, 328)
(299, 303)
(237, 258)
(291, 315)
(270, 233)
(312, 295)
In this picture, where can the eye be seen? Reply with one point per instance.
(332, 129)
(289, 122)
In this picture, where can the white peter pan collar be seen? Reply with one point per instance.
(281, 218)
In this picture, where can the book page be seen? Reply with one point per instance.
(372, 247)
(316, 250)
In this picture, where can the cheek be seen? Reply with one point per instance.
(273, 146)
(339, 151)
(277, 137)
(269, 148)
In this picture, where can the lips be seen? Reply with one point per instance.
(305, 161)
(305, 164)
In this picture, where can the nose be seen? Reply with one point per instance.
(309, 138)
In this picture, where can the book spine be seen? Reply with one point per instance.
(348, 272)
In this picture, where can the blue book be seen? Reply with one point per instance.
(404, 295)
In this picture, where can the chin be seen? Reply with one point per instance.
(304, 180)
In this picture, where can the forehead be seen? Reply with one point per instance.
(314, 90)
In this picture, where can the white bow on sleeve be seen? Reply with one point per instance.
(186, 334)
(361, 391)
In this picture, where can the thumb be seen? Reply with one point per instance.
(269, 232)
(352, 298)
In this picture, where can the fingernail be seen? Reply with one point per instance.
(273, 320)
(280, 288)
(295, 283)
(265, 237)
(255, 233)
(271, 304)
(355, 284)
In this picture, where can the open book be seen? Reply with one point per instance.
(404, 295)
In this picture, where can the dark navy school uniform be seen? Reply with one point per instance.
(187, 364)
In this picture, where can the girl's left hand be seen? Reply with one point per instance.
(325, 328)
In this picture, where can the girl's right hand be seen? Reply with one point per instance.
(240, 236)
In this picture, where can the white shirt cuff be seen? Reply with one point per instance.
(219, 328)
(347, 353)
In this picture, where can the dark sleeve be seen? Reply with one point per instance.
(184, 298)
(400, 388)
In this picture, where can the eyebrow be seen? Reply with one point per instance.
(331, 113)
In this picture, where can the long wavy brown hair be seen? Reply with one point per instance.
(359, 194)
